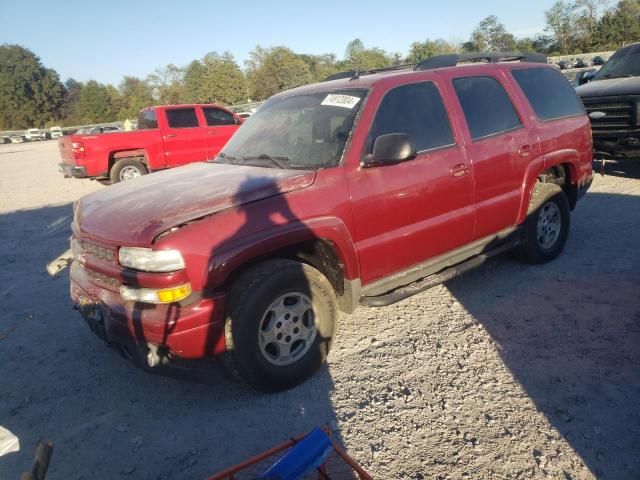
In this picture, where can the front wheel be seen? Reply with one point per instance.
(126, 169)
(547, 225)
(281, 320)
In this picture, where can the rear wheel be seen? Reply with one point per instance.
(281, 319)
(126, 169)
(547, 225)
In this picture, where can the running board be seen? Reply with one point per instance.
(430, 281)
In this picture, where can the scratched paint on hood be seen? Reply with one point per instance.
(135, 212)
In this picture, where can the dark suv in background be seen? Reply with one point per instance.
(612, 100)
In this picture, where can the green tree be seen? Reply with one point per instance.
(274, 70)
(560, 20)
(320, 66)
(96, 103)
(167, 85)
(429, 48)
(30, 94)
(357, 57)
(135, 94)
(490, 35)
(619, 27)
(216, 79)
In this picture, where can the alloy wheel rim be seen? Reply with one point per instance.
(129, 172)
(287, 329)
(549, 225)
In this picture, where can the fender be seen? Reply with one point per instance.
(535, 167)
(233, 255)
(139, 152)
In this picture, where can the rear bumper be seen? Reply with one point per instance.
(187, 331)
(72, 171)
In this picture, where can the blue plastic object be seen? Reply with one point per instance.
(305, 456)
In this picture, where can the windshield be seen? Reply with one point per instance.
(624, 63)
(306, 131)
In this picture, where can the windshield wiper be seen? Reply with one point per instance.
(277, 161)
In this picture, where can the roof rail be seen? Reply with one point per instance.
(451, 60)
(354, 74)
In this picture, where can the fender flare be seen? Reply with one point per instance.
(232, 256)
(559, 157)
(129, 153)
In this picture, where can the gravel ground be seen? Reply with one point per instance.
(511, 371)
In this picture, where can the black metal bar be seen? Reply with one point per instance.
(40, 463)
(451, 60)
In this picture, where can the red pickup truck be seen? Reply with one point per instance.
(360, 190)
(167, 136)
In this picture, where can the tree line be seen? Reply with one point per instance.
(33, 95)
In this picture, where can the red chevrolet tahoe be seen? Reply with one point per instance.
(359, 190)
(167, 136)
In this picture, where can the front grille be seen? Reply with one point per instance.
(103, 280)
(620, 113)
(97, 251)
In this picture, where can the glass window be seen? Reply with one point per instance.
(486, 106)
(215, 116)
(624, 63)
(548, 92)
(304, 130)
(416, 110)
(182, 117)
(147, 119)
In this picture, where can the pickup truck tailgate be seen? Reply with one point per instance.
(64, 145)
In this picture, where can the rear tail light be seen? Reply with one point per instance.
(78, 149)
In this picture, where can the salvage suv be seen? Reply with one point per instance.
(360, 190)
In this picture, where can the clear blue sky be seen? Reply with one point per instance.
(106, 39)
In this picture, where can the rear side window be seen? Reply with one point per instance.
(486, 106)
(215, 116)
(416, 110)
(548, 92)
(147, 119)
(182, 117)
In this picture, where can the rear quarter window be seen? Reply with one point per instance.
(486, 105)
(548, 92)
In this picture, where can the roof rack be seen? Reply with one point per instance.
(354, 74)
(451, 60)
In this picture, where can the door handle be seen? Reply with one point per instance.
(170, 135)
(525, 150)
(459, 170)
(212, 133)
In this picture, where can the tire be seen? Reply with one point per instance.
(547, 225)
(126, 169)
(260, 306)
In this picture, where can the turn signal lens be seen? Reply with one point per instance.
(151, 295)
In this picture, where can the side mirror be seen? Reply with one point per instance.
(390, 149)
(585, 76)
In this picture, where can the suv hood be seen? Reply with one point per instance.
(610, 87)
(135, 212)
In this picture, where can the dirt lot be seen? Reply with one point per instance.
(512, 371)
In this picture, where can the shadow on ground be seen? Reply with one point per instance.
(106, 417)
(627, 168)
(571, 338)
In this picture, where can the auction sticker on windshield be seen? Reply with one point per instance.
(346, 101)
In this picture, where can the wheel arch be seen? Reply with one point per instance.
(559, 167)
(134, 153)
(324, 244)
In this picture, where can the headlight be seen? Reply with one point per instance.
(152, 295)
(150, 260)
